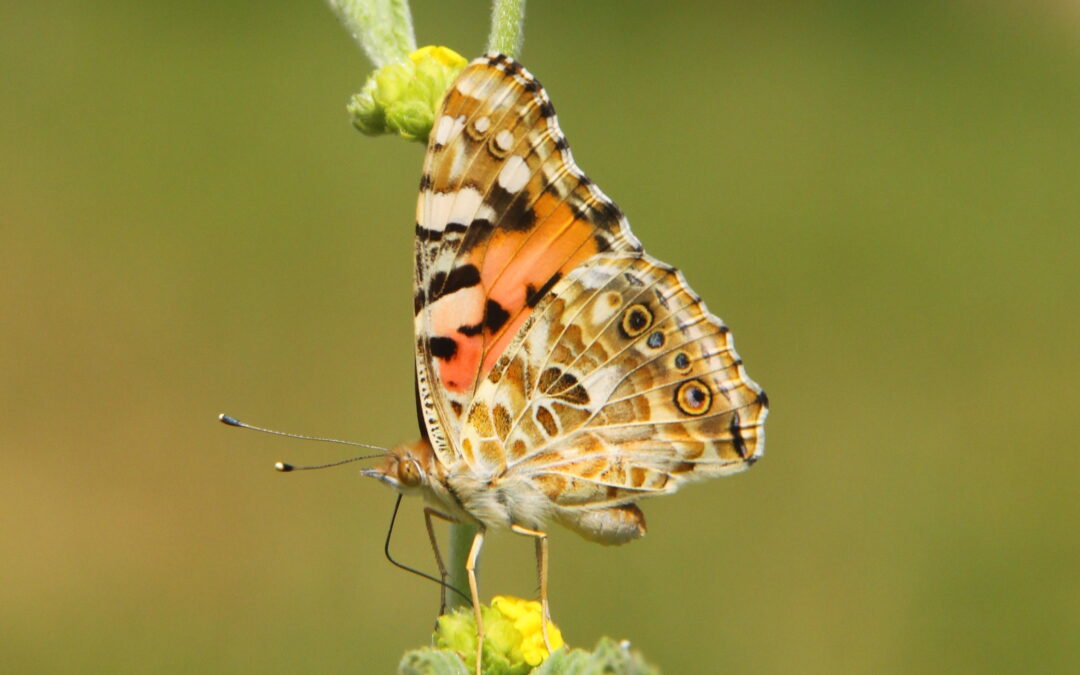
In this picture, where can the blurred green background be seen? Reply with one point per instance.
(881, 199)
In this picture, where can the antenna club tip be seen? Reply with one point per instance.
(231, 421)
(284, 467)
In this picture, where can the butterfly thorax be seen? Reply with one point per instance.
(498, 501)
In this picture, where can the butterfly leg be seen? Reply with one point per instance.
(470, 568)
(428, 513)
(542, 571)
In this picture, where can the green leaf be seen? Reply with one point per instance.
(431, 661)
(609, 658)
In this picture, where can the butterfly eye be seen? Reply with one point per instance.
(636, 320)
(408, 473)
(693, 397)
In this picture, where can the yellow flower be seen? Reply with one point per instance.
(526, 617)
(444, 55)
(513, 639)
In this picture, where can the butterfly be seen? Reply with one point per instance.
(562, 373)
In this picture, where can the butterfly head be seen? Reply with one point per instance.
(407, 467)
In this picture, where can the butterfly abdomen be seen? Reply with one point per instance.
(611, 526)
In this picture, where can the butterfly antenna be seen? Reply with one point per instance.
(285, 466)
(386, 549)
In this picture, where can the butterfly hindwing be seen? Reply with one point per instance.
(620, 385)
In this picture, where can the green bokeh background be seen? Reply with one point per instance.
(881, 199)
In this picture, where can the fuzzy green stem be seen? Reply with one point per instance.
(382, 28)
(507, 27)
(461, 537)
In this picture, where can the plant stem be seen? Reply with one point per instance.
(507, 27)
(382, 28)
(461, 536)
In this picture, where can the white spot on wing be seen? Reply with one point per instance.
(422, 205)
(504, 139)
(604, 308)
(448, 127)
(467, 85)
(462, 206)
(483, 124)
(514, 174)
(458, 165)
(463, 306)
(602, 382)
(597, 275)
(503, 95)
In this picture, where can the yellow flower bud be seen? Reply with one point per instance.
(402, 97)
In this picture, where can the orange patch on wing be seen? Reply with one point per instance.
(457, 373)
(464, 307)
(519, 261)
(514, 263)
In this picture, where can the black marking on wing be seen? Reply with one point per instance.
(495, 317)
(442, 347)
(419, 410)
(736, 435)
(471, 329)
(515, 213)
(478, 231)
(458, 278)
(430, 235)
(660, 297)
(534, 295)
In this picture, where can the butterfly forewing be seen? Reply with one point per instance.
(503, 214)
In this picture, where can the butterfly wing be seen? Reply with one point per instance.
(503, 215)
(620, 385)
(550, 348)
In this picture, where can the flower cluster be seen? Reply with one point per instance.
(402, 97)
(513, 635)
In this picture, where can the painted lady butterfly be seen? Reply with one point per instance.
(562, 373)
